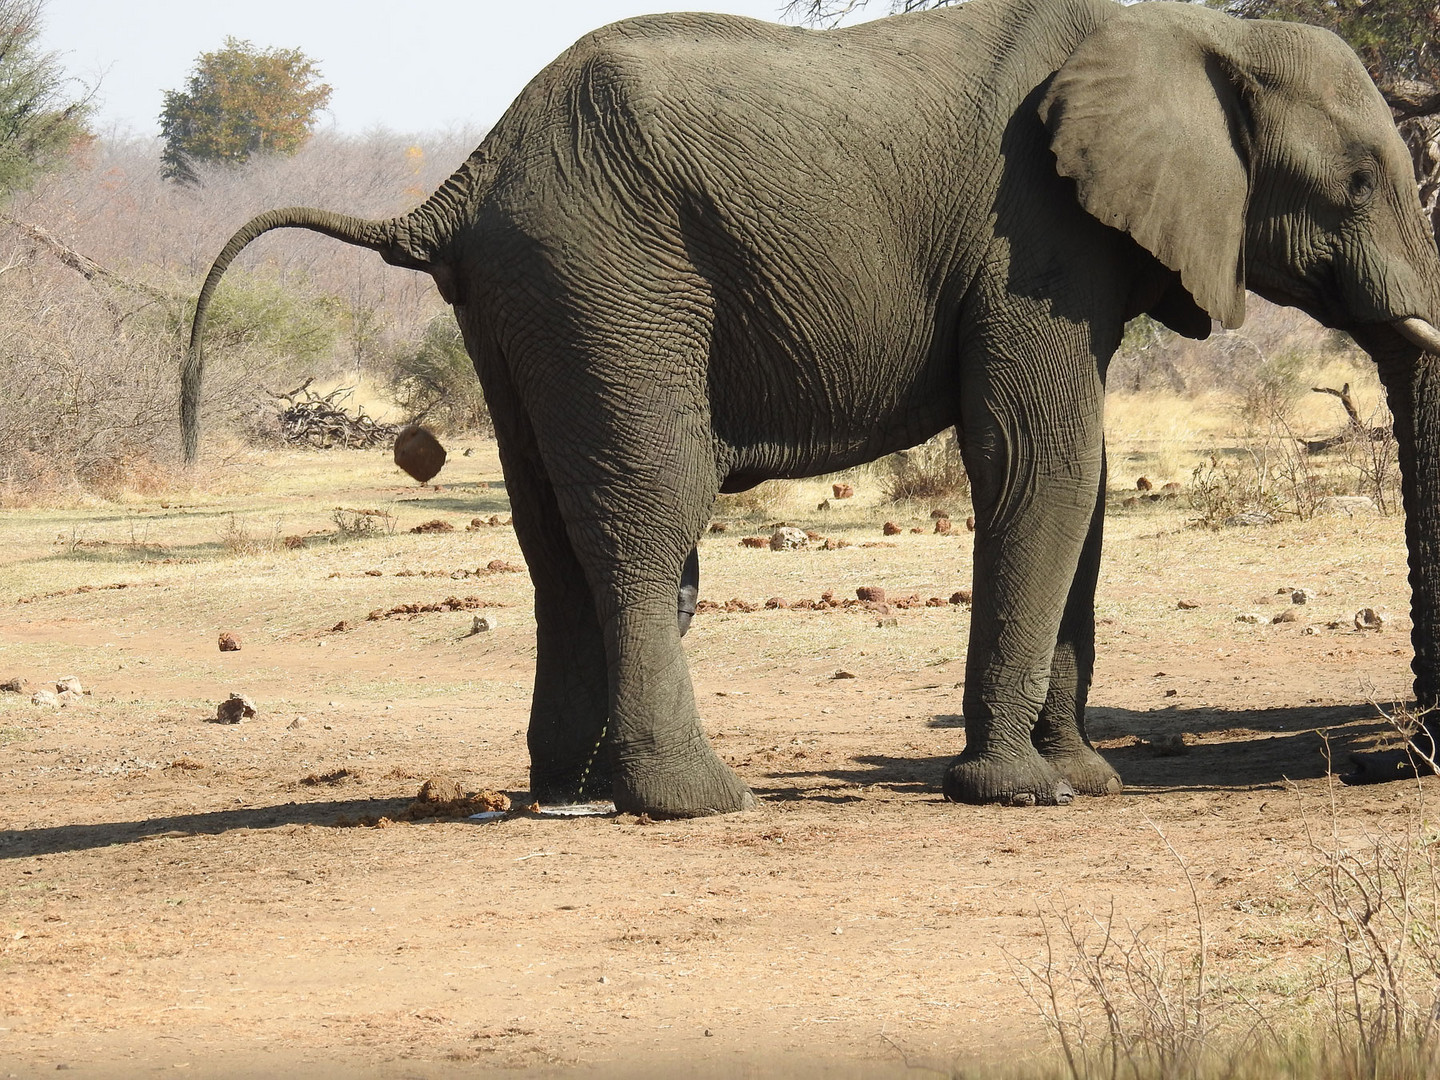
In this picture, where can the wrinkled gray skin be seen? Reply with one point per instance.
(700, 251)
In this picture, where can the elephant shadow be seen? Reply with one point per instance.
(1163, 751)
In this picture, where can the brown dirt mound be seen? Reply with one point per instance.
(435, 526)
(450, 603)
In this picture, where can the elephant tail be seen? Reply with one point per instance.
(415, 240)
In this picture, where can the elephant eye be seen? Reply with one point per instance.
(1362, 186)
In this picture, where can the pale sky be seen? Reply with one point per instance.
(417, 67)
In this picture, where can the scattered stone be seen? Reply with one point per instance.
(872, 593)
(842, 491)
(777, 603)
(331, 778)
(1302, 596)
(45, 697)
(185, 764)
(970, 523)
(936, 601)
(961, 596)
(1368, 619)
(70, 697)
(788, 539)
(891, 529)
(1249, 519)
(942, 526)
(229, 642)
(1187, 605)
(1288, 615)
(755, 542)
(298, 723)
(68, 683)
(834, 545)
(1143, 484)
(917, 530)
(719, 527)
(340, 627)
(12, 686)
(1348, 504)
(1167, 745)
(419, 453)
(843, 674)
(482, 624)
(823, 504)
(1250, 617)
(234, 709)
(379, 573)
(450, 603)
(435, 526)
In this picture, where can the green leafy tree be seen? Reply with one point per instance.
(240, 101)
(41, 118)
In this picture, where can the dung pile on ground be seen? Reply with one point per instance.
(442, 798)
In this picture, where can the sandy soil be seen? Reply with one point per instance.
(186, 897)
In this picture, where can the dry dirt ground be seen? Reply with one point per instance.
(180, 897)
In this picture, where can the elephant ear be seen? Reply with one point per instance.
(1148, 117)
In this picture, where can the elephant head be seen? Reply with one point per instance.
(1260, 155)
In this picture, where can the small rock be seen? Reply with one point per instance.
(298, 723)
(1250, 518)
(887, 623)
(294, 543)
(719, 527)
(871, 592)
(842, 491)
(1171, 488)
(235, 708)
(340, 627)
(843, 674)
(938, 514)
(45, 697)
(1348, 504)
(482, 624)
(1187, 605)
(1143, 484)
(1309, 631)
(1369, 619)
(788, 539)
(1129, 502)
(961, 596)
(891, 529)
(69, 697)
(229, 642)
(777, 603)
(1250, 617)
(1167, 745)
(70, 683)
(834, 545)
(1302, 596)
(1288, 615)
(942, 526)
(755, 542)
(823, 504)
(916, 529)
(970, 523)
(12, 686)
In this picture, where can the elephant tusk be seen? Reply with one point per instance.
(1421, 333)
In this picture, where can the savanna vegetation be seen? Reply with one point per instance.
(1237, 915)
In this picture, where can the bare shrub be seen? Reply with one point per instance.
(932, 470)
(238, 538)
(362, 524)
(435, 381)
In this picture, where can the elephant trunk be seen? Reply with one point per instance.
(415, 240)
(1412, 385)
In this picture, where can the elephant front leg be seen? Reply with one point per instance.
(1059, 733)
(1032, 435)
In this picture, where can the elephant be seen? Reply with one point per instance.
(699, 251)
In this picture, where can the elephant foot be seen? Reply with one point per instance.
(695, 783)
(560, 788)
(1087, 772)
(1027, 780)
